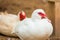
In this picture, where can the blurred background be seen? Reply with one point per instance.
(51, 7)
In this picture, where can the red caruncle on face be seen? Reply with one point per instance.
(43, 15)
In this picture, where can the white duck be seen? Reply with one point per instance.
(38, 27)
(7, 22)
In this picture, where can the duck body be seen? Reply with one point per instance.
(30, 29)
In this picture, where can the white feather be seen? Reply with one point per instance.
(34, 28)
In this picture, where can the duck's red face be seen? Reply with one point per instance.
(22, 15)
(43, 15)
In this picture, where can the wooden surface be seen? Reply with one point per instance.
(57, 18)
(51, 0)
(12, 38)
(8, 38)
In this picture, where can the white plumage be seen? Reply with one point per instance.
(7, 23)
(37, 27)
